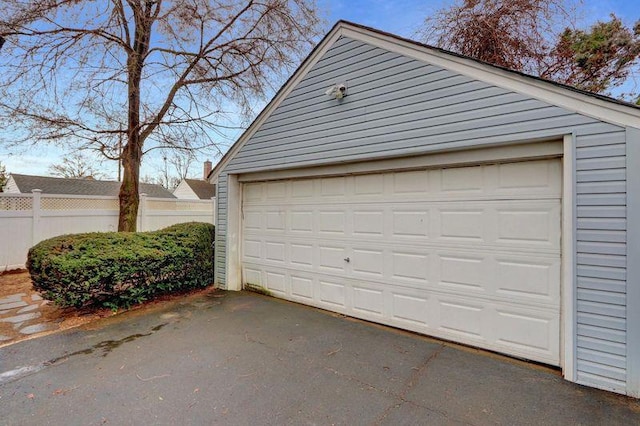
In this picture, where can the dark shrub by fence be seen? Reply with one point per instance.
(117, 269)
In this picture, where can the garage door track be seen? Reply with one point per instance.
(242, 358)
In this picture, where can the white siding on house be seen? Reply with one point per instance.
(11, 186)
(184, 191)
(397, 106)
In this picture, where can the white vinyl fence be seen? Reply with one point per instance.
(27, 219)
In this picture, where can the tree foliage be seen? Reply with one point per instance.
(597, 59)
(126, 77)
(76, 166)
(538, 37)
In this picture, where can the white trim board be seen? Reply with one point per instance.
(633, 267)
(568, 247)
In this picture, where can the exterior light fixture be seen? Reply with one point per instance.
(337, 91)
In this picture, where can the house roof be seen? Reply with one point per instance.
(203, 189)
(54, 185)
(590, 104)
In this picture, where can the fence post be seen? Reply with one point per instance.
(35, 216)
(143, 212)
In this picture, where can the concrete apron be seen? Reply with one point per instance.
(242, 358)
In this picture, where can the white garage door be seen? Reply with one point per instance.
(470, 254)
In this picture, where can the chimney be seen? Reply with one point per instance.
(207, 169)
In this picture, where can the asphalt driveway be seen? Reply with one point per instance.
(242, 358)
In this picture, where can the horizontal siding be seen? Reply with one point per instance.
(601, 258)
(491, 110)
(397, 106)
(604, 335)
(221, 231)
(590, 176)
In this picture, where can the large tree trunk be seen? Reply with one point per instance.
(129, 190)
(132, 154)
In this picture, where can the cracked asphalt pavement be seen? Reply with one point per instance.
(243, 358)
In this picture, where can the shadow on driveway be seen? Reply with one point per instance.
(242, 358)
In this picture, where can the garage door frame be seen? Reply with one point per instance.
(564, 148)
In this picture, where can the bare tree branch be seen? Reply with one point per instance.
(161, 73)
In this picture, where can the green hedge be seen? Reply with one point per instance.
(119, 269)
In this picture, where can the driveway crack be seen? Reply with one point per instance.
(410, 384)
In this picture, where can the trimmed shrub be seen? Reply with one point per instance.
(119, 269)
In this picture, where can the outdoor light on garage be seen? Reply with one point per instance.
(337, 91)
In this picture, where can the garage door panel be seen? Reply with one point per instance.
(470, 254)
(528, 279)
(461, 224)
(333, 187)
(302, 287)
(463, 272)
(368, 262)
(301, 255)
(536, 177)
(368, 300)
(332, 293)
(252, 249)
(413, 182)
(332, 222)
(276, 191)
(412, 224)
(410, 307)
(529, 330)
(276, 282)
(461, 317)
(410, 266)
(369, 184)
(301, 221)
(368, 223)
(275, 221)
(253, 220)
(275, 251)
(253, 192)
(533, 226)
(252, 276)
(332, 258)
(464, 179)
(302, 189)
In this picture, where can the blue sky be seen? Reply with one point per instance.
(402, 17)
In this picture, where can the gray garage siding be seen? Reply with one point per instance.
(601, 257)
(221, 230)
(398, 106)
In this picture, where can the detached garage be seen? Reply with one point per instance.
(402, 184)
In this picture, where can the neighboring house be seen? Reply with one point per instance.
(410, 186)
(25, 184)
(196, 189)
